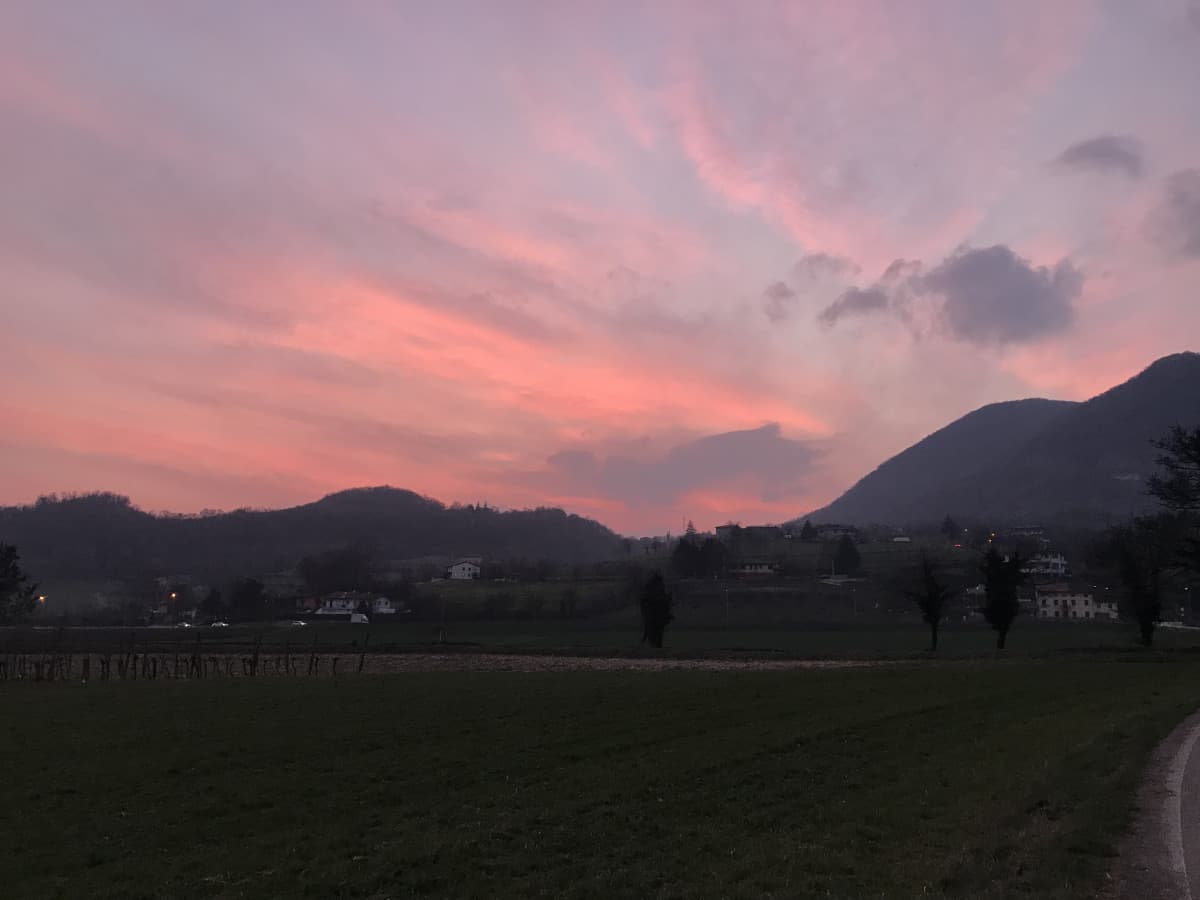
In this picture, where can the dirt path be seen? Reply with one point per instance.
(1160, 859)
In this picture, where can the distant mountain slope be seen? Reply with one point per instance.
(103, 535)
(1034, 460)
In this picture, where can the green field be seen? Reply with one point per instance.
(609, 637)
(955, 779)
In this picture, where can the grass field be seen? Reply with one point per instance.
(814, 641)
(957, 779)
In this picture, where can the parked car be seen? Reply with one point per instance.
(220, 625)
(298, 624)
(359, 619)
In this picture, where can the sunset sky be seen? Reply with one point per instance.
(648, 261)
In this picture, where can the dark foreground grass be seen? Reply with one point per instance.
(881, 640)
(965, 779)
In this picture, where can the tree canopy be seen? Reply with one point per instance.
(1177, 487)
(1002, 577)
(846, 558)
(18, 595)
(656, 604)
(930, 594)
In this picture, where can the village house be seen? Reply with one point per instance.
(344, 602)
(1061, 601)
(755, 567)
(465, 569)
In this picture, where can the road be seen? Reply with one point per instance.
(1160, 858)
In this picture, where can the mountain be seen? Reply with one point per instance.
(104, 535)
(1047, 461)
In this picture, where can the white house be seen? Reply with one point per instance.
(463, 570)
(755, 568)
(1060, 601)
(383, 606)
(1047, 564)
(338, 604)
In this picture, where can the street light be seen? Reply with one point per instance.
(41, 598)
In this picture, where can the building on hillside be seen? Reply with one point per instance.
(762, 533)
(342, 602)
(1052, 564)
(1027, 531)
(1061, 601)
(755, 567)
(338, 604)
(384, 606)
(726, 533)
(836, 532)
(465, 569)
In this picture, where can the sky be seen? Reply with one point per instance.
(650, 261)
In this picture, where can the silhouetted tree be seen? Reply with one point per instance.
(655, 604)
(685, 558)
(694, 558)
(212, 604)
(712, 558)
(343, 569)
(808, 532)
(950, 529)
(1177, 487)
(567, 602)
(690, 530)
(1141, 551)
(930, 594)
(18, 595)
(846, 559)
(248, 600)
(1001, 579)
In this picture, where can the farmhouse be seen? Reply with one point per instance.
(343, 602)
(464, 570)
(755, 567)
(1061, 601)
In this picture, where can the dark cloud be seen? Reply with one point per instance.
(1121, 154)
(985, 296)
(817, 266)
(854, 302)
(777, 464)
(1175, 222)
(900, 269)
(993, 296)
(779, 298)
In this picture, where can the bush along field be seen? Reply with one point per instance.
(956, 779)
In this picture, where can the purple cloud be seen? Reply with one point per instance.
(1108, 153)
(993, 296)
(1175, 222)
(779, 299)
(854, 302)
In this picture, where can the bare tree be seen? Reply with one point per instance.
(930, 594)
